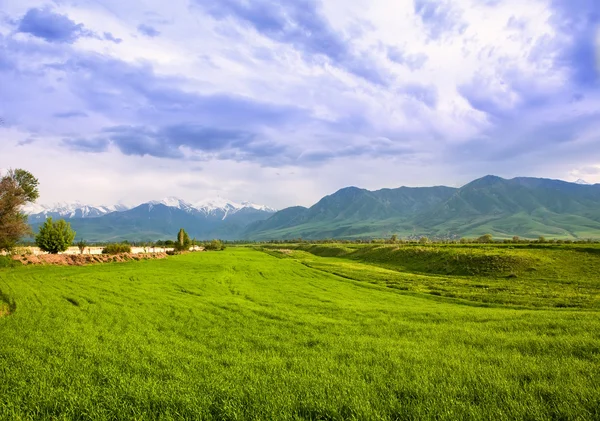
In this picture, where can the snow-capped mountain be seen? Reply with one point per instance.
(156, 219)
(172, 202)
(582, 181)
(210, 207)
(72, 210)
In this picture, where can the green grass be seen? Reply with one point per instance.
(241, 334)
(530, 276)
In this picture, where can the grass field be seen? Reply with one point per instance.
(244, 334)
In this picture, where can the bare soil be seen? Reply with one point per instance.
(84, 259)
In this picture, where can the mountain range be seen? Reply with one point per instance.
(527, 207)
(523, 206)
(159, 219)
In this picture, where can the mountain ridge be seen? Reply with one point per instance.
(524, 206)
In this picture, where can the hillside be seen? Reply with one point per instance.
(527, 207)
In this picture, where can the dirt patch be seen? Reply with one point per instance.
(84, 259)
(285, 251)
(4, 310)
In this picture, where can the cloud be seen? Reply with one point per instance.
(440, 17)
(87, 145)
(412, 61)
(427, 94)
(301, 25)
(110, 37)
(70, 114)
(578, 22)
(52, 27)
(148, 30)
(25, 142)
(168, 141)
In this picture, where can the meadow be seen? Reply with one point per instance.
(333, 333)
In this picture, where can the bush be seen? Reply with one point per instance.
(55, 237)
(8, 262)
(116, 249)
(214, 245)
(81, 245)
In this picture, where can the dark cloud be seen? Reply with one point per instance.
(70, 114)
(170, 142)
(440, 17)
(87, 145)
(578, 22)
(52, 27)
(301, 24)
(148, 30)
(110, 37)
(27, 141)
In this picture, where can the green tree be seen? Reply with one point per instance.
(81, 245)
(394, 239)
(423, 240)
(55, 237)
(17, 187)
(516, 239)
(183, 241)
(215, 245)
(486, 238)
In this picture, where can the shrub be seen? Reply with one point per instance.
(214, 245)
(55, 237)
(21, 251)
(8, 262)
(81, 245)
(116, 249)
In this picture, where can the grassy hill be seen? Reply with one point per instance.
(246, 335)
(527, 207)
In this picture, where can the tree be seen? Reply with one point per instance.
(486, 238)
(17, 188)
(215, 245)
(81, 245)
(183, 241)
(394, 239)
(516, 239)
(423, 240)
(55, 237)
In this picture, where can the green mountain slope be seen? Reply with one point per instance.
(528, 207)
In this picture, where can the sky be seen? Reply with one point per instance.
(283, 102)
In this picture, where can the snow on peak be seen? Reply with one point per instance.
(71, 209)
(582, 181)
(172, 202)
(220, 204)
(258, 207)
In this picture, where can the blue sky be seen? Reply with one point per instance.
(282, 102)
